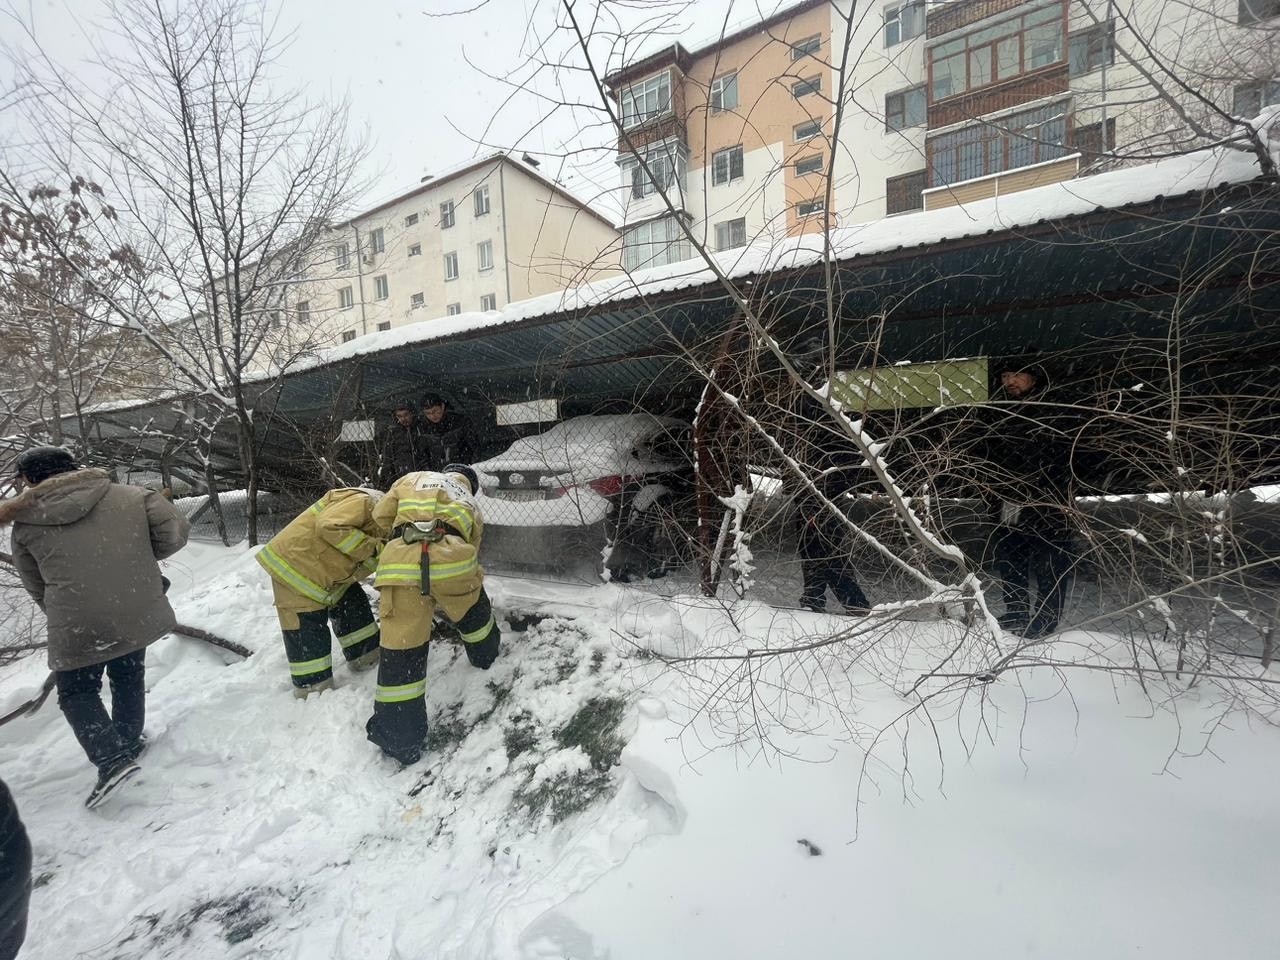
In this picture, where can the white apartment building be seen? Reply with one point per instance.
(474, 238)
(946, 102)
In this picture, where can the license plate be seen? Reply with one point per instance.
(520, 495)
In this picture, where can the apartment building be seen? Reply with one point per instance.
(946, 102)
(473, 238)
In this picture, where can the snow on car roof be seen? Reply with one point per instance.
(590, 446)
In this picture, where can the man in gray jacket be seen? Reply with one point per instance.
(86, 550)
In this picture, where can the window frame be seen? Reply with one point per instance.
(448, 215)
(672, 247)
(736, 237)
(902, 97)
(417, 301)
(410, 219)
(894, 20)
(667, 159)
(810, 169)
(346, 298)
(807, 47)
(342, 255)
(1085, 37)
(816, 206)
(1258, 89)
(451, 271)
(989, 40)
(727, 154)
(384, 325)
(381, 287)
(1249, 12)
(415, 249)
(806, 87)
(348, 336)
(492, 299)
(377, 242)
(480, 198)
(922, 174)
(716, 94)
(628, 96)
(483, 248)
(452, 309)
(973, 143)
(302, 311)
(817, 132)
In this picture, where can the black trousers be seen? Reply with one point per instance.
(309, 647)
(106, 739)
(824, 562)
(15, 876)
(1041, 549)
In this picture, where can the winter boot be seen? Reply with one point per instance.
(303, 692)
(110, 780)
(1042, 625)
(366, 661)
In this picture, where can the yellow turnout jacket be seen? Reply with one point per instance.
(429, 496)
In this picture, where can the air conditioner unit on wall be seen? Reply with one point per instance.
(368, 258)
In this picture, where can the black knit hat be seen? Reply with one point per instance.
(432, 400)
(37, 464)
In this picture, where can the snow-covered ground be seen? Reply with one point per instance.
(1042, 820)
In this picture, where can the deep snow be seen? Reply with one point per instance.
(1063, 824)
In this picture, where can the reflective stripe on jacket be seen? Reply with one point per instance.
(325, 548)
(424, 497)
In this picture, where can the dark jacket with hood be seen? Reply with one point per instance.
(86, 550)
(403, 450)
(446, 442)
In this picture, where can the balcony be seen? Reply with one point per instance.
(943, 18)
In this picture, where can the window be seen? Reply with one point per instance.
(385, 325)
(415, 249)
(1255, 11)
(1008, 49)
(809, 165)
(1088, 141)
(806, 47)
(452, 309)
(489, 302)
(807, 130)
(731, 233)
(481, 198)
(726, 165)
(653, 244)
(381, 289)
(668, 163)
(417, 301)
(810, 208)
(1020, 140)
(451, 266)
(348, 336)
(275, 318)
(644, 101)
(376, 243)
(346, 300)
(1092, 49)
(1250, 98)
(724, 93)
(303, 311)
(902, 23)
(446, 215)
(410, 220)
(484, 255)
(904, 109)
(905, 192)
(802, 88)
(342, 256)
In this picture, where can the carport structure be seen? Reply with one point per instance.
(1174, 261)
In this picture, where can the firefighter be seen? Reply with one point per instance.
(316, 565)
(430, 560)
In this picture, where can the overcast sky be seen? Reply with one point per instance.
(415, 74)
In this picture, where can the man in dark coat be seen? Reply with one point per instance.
(825, 557)
(447, 435)
(15, 876)
(402, 447)
(1029, 458)
(86, 550)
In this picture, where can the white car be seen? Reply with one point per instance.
(608, 471)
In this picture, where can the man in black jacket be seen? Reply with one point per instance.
(446, 436)
(402, 447)
(1030, 458)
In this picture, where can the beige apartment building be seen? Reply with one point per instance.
(946, 102)
(472, 239)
